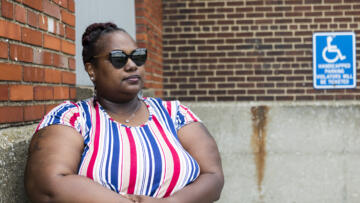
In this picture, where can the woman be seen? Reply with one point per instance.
(117, 146)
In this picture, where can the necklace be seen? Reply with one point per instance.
(133, 114)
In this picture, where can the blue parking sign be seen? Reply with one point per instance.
(334, 60)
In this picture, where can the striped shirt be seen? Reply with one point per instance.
(143, 160)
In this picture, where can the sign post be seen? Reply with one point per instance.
(334, 60)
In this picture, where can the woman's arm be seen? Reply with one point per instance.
(51, 170)
(197, 140)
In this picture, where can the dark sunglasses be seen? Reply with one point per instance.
(119, 58)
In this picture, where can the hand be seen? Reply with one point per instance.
(147, 199)
(133, 198)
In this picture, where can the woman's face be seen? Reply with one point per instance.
(116, 84)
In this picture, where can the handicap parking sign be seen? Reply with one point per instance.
(334, 60)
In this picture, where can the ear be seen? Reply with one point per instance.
(90, 71)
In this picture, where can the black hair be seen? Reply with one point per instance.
(92, 33)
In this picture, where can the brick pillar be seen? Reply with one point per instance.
(37, 64)
(149, 35)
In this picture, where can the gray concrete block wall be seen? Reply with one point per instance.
(14, 144)
(310, 152)
(271, 153)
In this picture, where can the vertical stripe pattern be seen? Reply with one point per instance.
(144, 160)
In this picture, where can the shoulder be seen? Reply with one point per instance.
(64, 106)
(175, 109)
(71, 105)
(67, 113)
(162, 102)
(169, 105)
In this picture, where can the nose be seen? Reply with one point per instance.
(130, 66)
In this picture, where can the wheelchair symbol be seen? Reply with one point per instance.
(332, 49)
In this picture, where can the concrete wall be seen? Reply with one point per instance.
(287, 153)
(14, 144)
(273, 153)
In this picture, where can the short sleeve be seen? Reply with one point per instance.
(184, 116)
(66, 114)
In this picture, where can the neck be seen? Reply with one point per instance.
(120, 108)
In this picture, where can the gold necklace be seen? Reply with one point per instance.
(133, 114)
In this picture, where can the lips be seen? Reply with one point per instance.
(132, 78)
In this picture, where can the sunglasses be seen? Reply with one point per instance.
(119, 58)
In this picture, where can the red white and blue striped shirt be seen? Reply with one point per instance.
(143, 160)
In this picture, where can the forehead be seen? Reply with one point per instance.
(116, 40)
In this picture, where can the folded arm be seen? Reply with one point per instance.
(51, 170)
(197, 140)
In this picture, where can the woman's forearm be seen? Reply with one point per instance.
(197, 140)
(205, 189)
(50, 175)
(71, 188)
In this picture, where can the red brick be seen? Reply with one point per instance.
(70, 33)
(9, 114)
(71, 5)
(20, 14)
(72, 93)
(4, 50)
(62, 3)
(10, 72)
(344, 97)
(32, 18)
(21, 53)
(306, 97)
(60, 28)
(56, 60)
(43, 22)
(31, 36)
(61, 92)
(33, 74)
(43, 93)
(68, 47)
(47, 58)
(21, 92)
(68, 77)
(72, 63)
(35, 4)
(7, 9)
(284, 98)
(63, 62)
(10, 30)
(4, 92)
(68, 18)
(35, 112)
(52, 42)
(51, 9)
(52, 76)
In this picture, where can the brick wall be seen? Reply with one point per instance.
(149, 35)
(254, 50)
(37, 64)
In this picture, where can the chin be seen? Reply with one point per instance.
(134, 89)
(130, 93)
